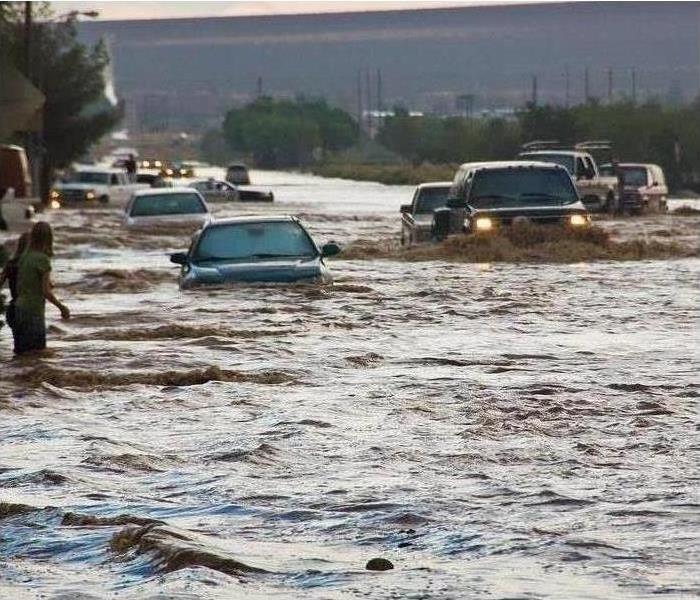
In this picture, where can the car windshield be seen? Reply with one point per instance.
(236, 169)
(241, 241)
(167, 204)
(90, 177)
(634, 176)
(431, 198)
(508, 187)
(565, 160)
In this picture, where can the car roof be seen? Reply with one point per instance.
(555, 151)
(96, 169)
(253, 219)
(429, 184)
(631, 165)
(510, 164)
(234, 165)
(165, 190)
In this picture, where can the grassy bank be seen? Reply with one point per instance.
(525, 244)
(402, 174)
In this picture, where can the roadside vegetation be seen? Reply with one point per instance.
(285, 133)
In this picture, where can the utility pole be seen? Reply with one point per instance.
(380, 101)
(359, 99)
(368, 89)
(534, 90)
(27, 39)
(634, 86)
(567, 87)
(260, 87)
(586, 89)
(610, 86)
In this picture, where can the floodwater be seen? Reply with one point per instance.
(495, 430)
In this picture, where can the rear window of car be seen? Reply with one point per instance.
(564, 160)
(431, 198)
(167, 204)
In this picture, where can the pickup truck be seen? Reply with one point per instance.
(92, 185)
(417, 217)
(598, 193)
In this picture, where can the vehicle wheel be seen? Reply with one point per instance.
(104, 199)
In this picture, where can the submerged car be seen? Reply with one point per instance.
(487, 196)
(215, 190)
(237, 173)
(643, 188)
(253, 249)
(417, 217)
(166, 206)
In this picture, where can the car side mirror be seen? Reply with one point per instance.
(179, 258)
(406, 208)
(330, 249)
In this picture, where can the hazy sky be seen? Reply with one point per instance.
(164, 10)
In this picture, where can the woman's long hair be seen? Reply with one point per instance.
(21, 246)
(41, 238)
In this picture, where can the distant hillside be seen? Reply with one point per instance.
(197, 67)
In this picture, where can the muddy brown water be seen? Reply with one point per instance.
(495, 430)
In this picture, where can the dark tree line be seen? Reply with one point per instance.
(667, 136)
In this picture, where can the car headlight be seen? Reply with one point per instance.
(484, 224)
(54, 194)
(157, 164)
(578, 220)
(89, 195)
(55, 204)
(168, 171)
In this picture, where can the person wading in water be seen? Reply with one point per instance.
(9, 274)
(33, 289)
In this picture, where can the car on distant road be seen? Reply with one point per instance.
(90, 185)
(489, 196)
(215, 190)
(417, 217)
(237, 173)
(644, 188)
(166, 206)
(599, 193)
(254, 249)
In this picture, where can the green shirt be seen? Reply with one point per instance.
(30, 288)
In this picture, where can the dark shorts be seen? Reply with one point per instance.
(29, 331)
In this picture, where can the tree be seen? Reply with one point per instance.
(71, 76)
(280, 133)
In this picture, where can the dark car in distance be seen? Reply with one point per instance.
(253, 249)
(488, 196)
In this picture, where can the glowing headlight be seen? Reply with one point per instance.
(484, 224)
(90, 195)
(55, 204)
(168, 171)
(145, 164)
(578, 220)
(158, 164)
(54, 195)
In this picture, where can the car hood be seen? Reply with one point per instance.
(174, 220)
(267, 270)
(531, 211)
